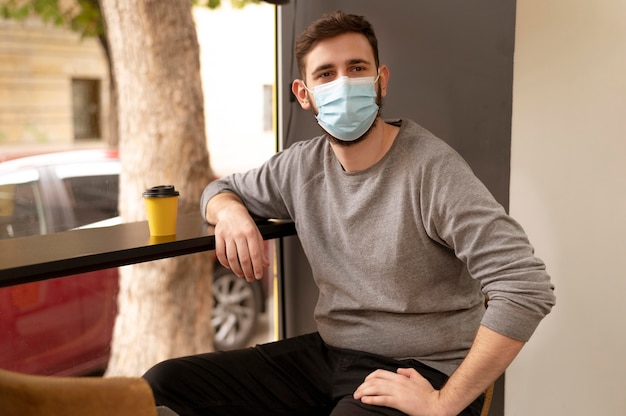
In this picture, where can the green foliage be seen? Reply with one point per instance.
(240, 4)
(214, 4)
(49, 11)
(84, 17)
(89, 19)
(10, 9)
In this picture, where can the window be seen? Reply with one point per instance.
(21, 209)
(92, 190)
(86, 108)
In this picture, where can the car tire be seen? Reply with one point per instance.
(236, 306)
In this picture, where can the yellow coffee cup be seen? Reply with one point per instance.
(162, 209)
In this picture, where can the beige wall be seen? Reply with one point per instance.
(37, 64)
(568, 189)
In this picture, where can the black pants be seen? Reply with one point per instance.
(298, 376)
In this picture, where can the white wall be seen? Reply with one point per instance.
(237, 57)
(568, 189)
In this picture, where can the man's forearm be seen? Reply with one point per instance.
(218, 203)
(490, 355)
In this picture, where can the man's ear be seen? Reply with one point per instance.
(299, 90)
(383, 79)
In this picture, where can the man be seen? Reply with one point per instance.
(404, 243)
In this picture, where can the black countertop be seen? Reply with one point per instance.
(29, 259)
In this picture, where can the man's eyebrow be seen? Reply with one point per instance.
(353, 61)
(322, 68)
(358, 61)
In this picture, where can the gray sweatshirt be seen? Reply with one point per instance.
(403, 252)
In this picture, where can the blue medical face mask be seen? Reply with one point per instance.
(346, 106)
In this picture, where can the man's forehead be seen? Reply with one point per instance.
(343, 50)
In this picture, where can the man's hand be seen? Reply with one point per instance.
(238, 242)
(405, 390)
(490, 354)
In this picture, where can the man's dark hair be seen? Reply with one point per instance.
(329, 26)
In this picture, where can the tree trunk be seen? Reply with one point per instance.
(165, 305)
(113, 139)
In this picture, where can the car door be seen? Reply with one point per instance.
(39, 322)
(91, 188)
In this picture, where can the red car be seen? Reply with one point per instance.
(63, 326)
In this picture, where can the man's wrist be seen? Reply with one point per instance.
(445, 406)
(220, 205)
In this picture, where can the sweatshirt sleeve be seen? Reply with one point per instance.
(262, 189)
(462, 214)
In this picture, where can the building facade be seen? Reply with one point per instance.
(53, 88)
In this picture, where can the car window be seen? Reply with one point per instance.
(21, 209)
(92, 190)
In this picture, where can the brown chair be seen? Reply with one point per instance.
(487, 402)
(29, 395)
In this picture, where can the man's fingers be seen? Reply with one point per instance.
(243, 253)
(232, 256)
(382, 374)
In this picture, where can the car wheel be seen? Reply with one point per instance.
(235, 309)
